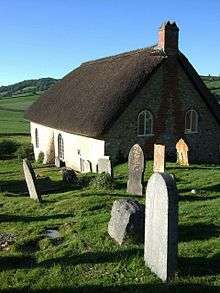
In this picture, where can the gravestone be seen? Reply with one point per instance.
(127, 218)
(85, 166)
(182, 153)
(58, 162)
(159, 158)
(161, 226)
(30, 179)
(69, 176)
(135, 170)
(104, 165)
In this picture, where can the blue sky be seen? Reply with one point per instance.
(41, 38)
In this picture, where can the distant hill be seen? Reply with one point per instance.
(213, 83)
(27, 87)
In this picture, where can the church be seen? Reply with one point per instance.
(146, 96)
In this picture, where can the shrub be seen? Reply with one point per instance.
(102, 181)
(40, 158)
(25, 151)
(7, 147)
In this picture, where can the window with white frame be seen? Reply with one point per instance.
(36, 138)
(145, 123)
(191, 121)
(60, 147)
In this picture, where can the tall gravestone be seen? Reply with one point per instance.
(159, 158)
(30, 179)
(182, 153)
(135, 170)
(161, 226)
(104, 165)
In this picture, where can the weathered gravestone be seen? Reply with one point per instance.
(159, 158)
(30, 179)
(127, 218)
(69, 176)
(85, 166)
(135, 170)
(104, 165)
(161, 225)
(182, 153)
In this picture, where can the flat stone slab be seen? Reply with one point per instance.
(161, 226)
(127, 218)
(52, 234)
(30, 179)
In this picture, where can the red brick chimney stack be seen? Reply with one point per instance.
(168, 38)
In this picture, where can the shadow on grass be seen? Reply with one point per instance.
(199, 266)
(198, 231)
(16, 262)
(20, 218)
(132, 288)
(94, 257)
(215, 188)
(185, 197)
(14, 188)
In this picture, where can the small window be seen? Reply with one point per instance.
(36, 138)
(191, 121)
(145, 123)
(60, 147)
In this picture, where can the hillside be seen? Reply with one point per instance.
(27, 87)
(213, 83)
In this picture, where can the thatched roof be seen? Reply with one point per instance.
(89, 98)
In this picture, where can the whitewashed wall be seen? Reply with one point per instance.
(75, 146)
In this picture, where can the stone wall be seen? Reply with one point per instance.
(168, 95)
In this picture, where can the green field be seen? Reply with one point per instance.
(87, 259)
(12, 114)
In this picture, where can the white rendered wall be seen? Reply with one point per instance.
(75, 146)
(45, 135)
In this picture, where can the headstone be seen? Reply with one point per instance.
(161, 226)
(182, 153)
(135, 170)
(69, 176)
(159, 158)
(85, 166)
(30, 179)
(127, 218)
(104, 165)
(59, 163)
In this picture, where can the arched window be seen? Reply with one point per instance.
(191, 121)
(36, 138)
(60, 147)
(145, 123)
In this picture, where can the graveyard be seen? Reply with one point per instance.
(61, 244)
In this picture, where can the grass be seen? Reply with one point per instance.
(12, 114)
(87, 259)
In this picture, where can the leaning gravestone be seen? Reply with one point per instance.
(30, 179)
(135, 170)
(161, 225)
(159, 158)
(182, 153)
(104, 165)
(127, 218)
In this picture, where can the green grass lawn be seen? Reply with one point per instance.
(12, 114)
(87, 259)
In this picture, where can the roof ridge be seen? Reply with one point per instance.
(151, 49)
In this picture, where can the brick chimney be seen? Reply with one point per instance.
(168, 38)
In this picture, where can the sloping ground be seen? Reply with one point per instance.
(87, 259)
(12, 114)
